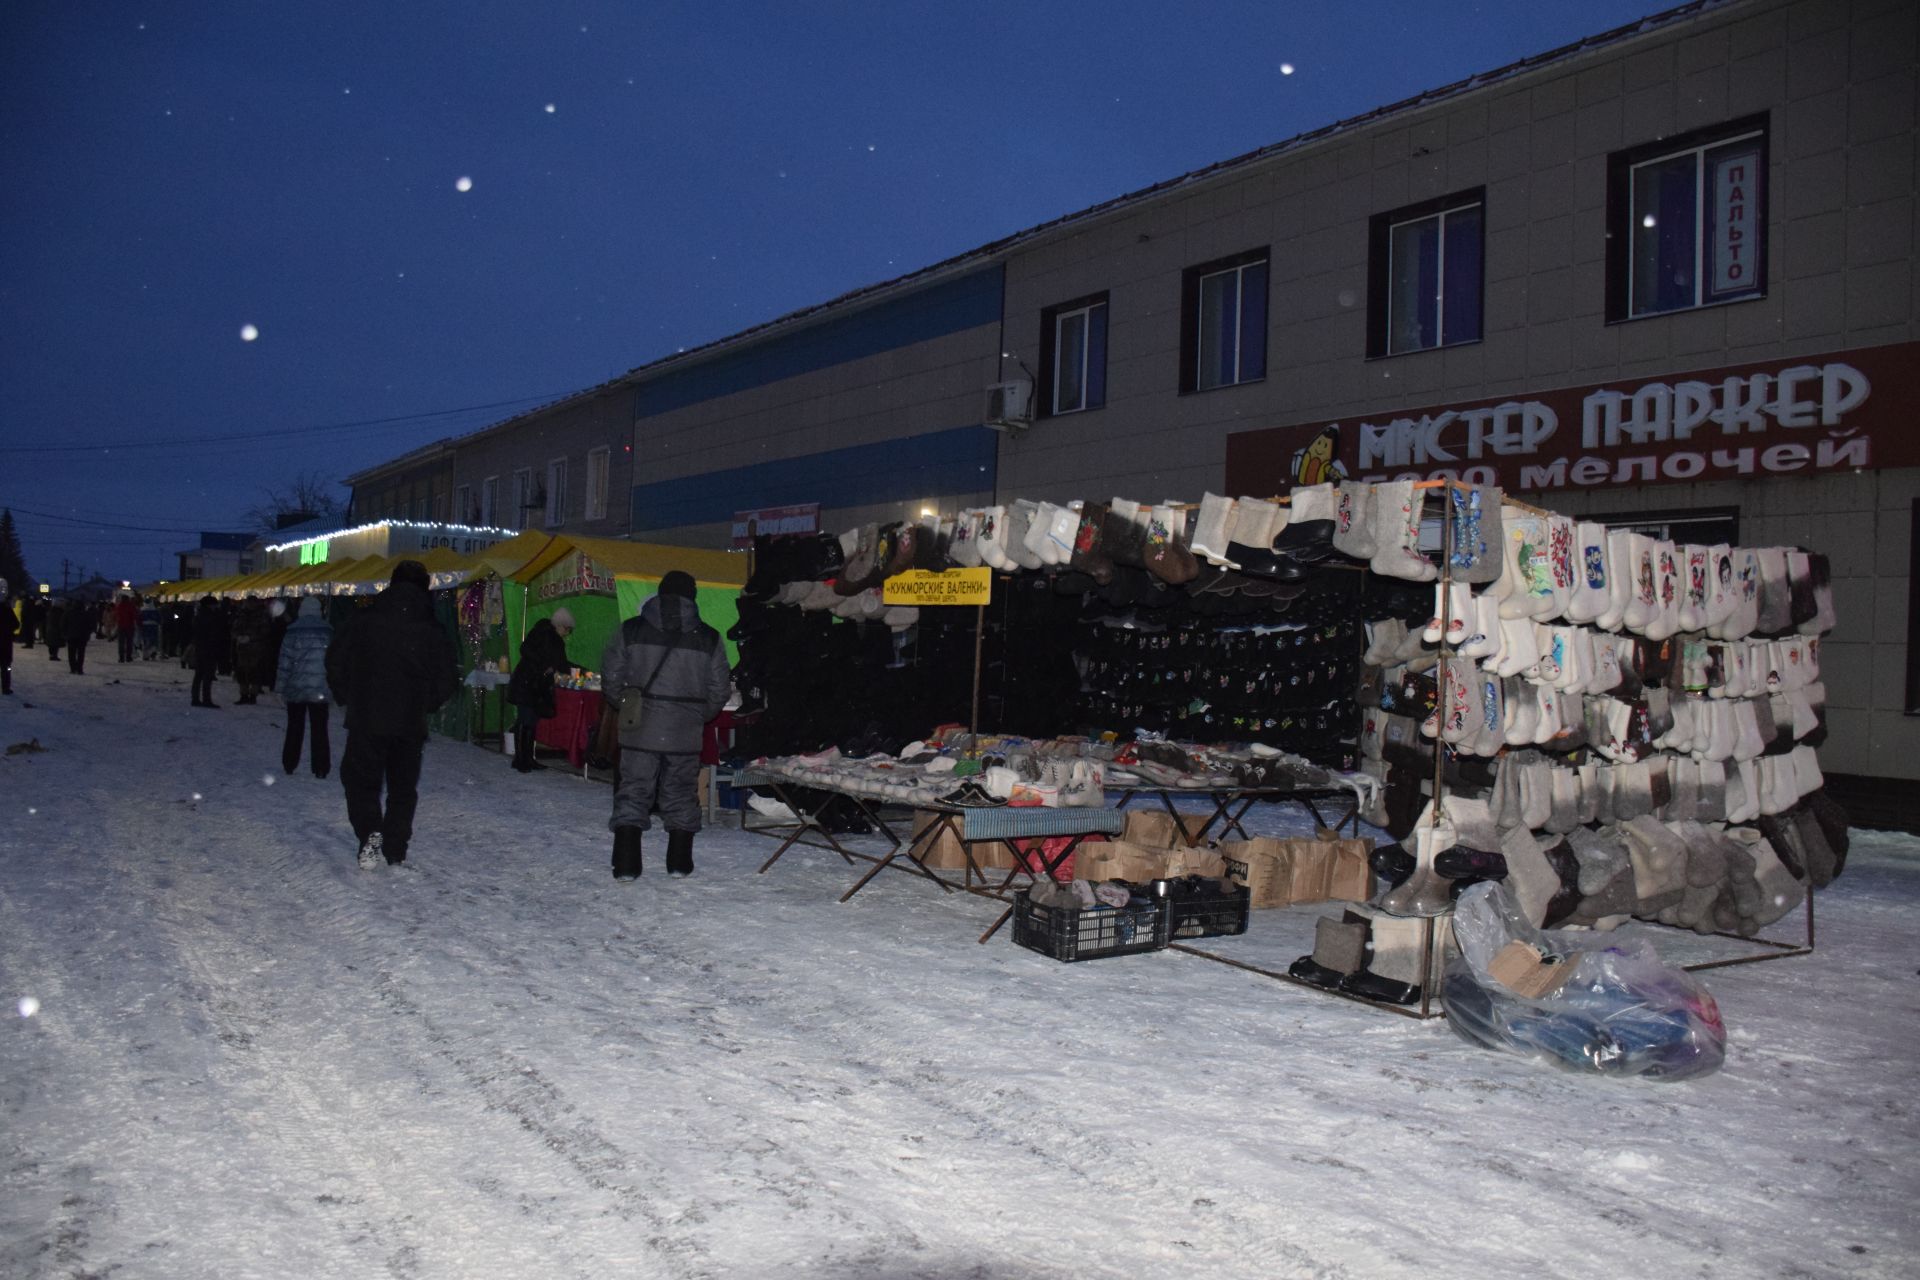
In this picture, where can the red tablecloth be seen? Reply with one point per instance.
(576, 713)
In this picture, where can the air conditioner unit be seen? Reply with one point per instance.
(1009, 404)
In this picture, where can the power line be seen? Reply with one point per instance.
(107, 524)
(272, 435)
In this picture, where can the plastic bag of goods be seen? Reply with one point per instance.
(1582, 1002)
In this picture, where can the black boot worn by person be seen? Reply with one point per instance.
(679, 854)
(626, 853)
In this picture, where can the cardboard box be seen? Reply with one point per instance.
(1264, 866)
(1137, 864)
(1152, 828)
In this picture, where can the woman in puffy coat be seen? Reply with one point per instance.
(302, 682)
(543, 655)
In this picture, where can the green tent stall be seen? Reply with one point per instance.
(602, 583)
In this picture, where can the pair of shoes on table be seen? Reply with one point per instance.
(971, 795)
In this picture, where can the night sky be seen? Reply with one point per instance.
(639, 178)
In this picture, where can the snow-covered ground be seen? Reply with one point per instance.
(249, 1058)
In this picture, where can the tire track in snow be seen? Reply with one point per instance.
(321, 1139)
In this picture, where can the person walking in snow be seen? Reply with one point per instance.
(251, 636)
(6, 637)
(126, 624)
(674, 665)
(391, 666)
(302, 682)
(53, 627)
(209, 649)
(32, 609)
(543, 655)
(80, 621)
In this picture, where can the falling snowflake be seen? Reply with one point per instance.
(1286, 68)
(29, 1006)
(463, 184)
(196, 795)
(247, 334)
(266, 779)
(1647, 221)
(550, 108)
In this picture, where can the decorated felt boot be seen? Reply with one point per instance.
(1398, 509)
(1590, 592)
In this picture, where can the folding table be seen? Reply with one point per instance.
(1231, 804)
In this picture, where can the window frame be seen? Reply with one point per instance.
(490, 502)
(1621, 167)
(1050, 318)
(1380, 229)
(522, 496)
(599, 467)
(462, 504)
(1191, 329)
(555, 510)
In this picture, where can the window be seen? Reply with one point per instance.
(1223, 322)
(490, 502)
(1424, 274)
(420, 509)
(522, 498)
(597, 460)
(1688, 220)
(1073, 354)
(463, 504)
(556, 491)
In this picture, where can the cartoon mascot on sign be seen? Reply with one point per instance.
(1315, 463)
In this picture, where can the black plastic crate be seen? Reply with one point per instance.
(1068, 934)
(1209, 915)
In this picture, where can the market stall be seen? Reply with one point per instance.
(1607, 725)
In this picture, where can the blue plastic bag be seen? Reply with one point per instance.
(1620, 1012)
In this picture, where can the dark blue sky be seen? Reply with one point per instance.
(644, 177)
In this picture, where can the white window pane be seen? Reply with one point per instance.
(1734, 221)
(1413, 302)
(1219, 325)
(1070, 361)
(1665, 248)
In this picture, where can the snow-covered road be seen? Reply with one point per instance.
(251, 1059)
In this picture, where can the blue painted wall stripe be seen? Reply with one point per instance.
(958, 460)
(964, 303)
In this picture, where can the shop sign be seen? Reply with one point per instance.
(954, 586)
(801, 518)
(427, 537)
(1840, 412)
(575, 577)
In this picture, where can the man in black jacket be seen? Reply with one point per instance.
(209, 649)
(680, 664)
(391, 666)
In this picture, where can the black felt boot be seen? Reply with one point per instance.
(523, 752)
(626, 853)
(679, 853)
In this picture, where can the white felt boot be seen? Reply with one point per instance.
(1619, 580)
(1590, 593)
(1211, 529)
(1398, 509)
(1643, 605)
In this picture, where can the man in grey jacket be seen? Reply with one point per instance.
(681, 665)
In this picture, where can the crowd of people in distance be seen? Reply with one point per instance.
(390, 664)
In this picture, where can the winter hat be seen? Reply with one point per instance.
(563, 617)
(676, 583)
(409, 571)
(311, 607)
